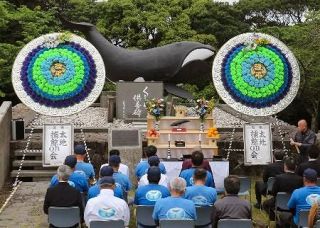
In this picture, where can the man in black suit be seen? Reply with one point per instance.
(313, 163)
(285, 182)
(62, 194)
(270, 170)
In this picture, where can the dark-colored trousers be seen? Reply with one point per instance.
(261, 190)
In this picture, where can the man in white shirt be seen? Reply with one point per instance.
(154, 161)
(106, 206)
(122, 168)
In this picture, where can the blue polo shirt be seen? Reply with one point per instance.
(87, 168)
(143, 166)
(303, 198)
(176, 208)
(95, 190)
(75, 180)
(149, 194)
(122, 181)
(187, 174)
(201, 195)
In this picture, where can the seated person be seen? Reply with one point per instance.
(271, 170)
(305, 197)
(143, 166)
(75, 180)
(83, 167)
(187, 174)
(187, 164)
(285, 182)
(200, 194)
(62, 194)
(121, 179)
(150, 193)
(175, 206)
(94, 190)
(313, 163)
(106, 206)
(154, 161)
(231, 206)
(122, 167)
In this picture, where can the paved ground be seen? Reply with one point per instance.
(25, 208)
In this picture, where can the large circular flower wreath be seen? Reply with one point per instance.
(256, 74)
(58, 74)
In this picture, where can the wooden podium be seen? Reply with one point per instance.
(192, 136)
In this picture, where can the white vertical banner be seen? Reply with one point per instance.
(57, 143)
(257, 143)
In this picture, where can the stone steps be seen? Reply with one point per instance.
(34, 173)
(29, 153)
(27, 163)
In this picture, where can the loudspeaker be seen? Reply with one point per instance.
(17, 129)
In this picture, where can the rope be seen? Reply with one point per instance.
(14, 189)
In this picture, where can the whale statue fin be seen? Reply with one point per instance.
(80, 26)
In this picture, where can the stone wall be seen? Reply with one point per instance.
(5, 136)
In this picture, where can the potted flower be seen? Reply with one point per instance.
(203, 108)
(155, 108)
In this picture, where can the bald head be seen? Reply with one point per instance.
(302, 126)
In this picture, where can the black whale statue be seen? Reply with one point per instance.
(181, 62)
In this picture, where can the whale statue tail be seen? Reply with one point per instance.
(80, 26)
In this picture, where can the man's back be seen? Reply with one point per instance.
(106, 207)
(303, 198)
(87, 168)
(286, 182)
(75, 180)
(143, 167)
(122, 180)
(95, 191)
(150, 194)
(174, 208)
(201, 195)
(62, 195)
(232, 207)
(164, 181)
(187, 174)
(272, 170)
(313, 164)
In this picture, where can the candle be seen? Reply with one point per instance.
(199, 137)
(169, 137)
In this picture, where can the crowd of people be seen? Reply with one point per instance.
(178, 197)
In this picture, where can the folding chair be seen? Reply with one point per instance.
(238, 223)
(144, 217)
(270, 183)
(303, 218)
(245, 185)
(176, 223)
(204, 217)
(317, 225)
(107, 224)
(318, 181)
(64, 216)
(282, 199)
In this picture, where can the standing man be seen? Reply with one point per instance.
(82, 166)
(303, 139)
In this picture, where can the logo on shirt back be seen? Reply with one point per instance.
(107, 212)
(153, 195)
(313, 199)
(200, 200)
(176, 213)
(118, 185)
(71, 183)
(191, 180)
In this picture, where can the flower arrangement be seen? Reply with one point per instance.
(255, 42)
(204, 107)
(58, 74)
(213, 133)
(153, 133)
(155, 107)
